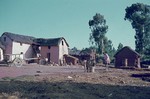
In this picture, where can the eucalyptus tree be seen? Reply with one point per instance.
(120, 46)
(98, 30)
(139, 16)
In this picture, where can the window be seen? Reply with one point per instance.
(5, 39)
(49, 47)
(62, 43)
(20, 44)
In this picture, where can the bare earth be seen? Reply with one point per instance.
(113, 76)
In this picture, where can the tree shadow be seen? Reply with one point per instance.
(72, 90)
(143, 76)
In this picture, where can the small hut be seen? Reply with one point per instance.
(127, 57)
(70, 59)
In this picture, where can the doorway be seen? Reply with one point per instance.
(48, 56)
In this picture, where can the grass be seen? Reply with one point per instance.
(70, 90)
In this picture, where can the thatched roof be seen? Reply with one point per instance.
(127, 47)
(19, 38)
(33, 40)
(49, 41)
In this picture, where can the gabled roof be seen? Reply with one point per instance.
(33, 40)
(19, 38)
(49, 41)
(2, 46)
(127, 47)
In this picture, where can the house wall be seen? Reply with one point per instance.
(63, 49)
(1, 54)
(53, 53)
(26, 49)
(43, 51)
(7, 43)
(56, 52)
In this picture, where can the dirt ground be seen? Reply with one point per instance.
(113, 76)
(72, 82)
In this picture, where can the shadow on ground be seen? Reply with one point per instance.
(70, 90)
(143, 76)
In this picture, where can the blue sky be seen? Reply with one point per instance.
(67, 18)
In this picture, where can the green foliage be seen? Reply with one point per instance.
(147, 54)
(98, 28)
(109, 48)
(120, 46)
(139, 16)
(102, 43)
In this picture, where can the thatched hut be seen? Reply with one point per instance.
(127, 57)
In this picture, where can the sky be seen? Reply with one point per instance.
(68, 19)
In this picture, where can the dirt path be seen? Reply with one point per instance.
(76, 74)
(35, 69)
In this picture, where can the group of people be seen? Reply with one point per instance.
(91, 63)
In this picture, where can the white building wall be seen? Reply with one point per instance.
(19, 48)
(1, 54)
(63, 49)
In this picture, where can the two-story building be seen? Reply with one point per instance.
(30, 47)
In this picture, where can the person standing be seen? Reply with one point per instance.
(106, 60)
(85, 65)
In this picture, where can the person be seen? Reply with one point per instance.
(106, 60)
(85, 65)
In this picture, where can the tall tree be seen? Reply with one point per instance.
(120, 46)
(139, 16)
(109, 48)
(98, 28)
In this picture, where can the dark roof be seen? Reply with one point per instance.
(49, 41)
(127, 47)
(19, 38)
(69, 56)
(1, 45)
(86, 51)
(33, 40)
(74, 52)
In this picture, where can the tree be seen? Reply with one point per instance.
(98, 28)
(139, 16)
(109, 48)
(120, 46)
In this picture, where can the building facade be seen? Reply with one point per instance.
(26, 47)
